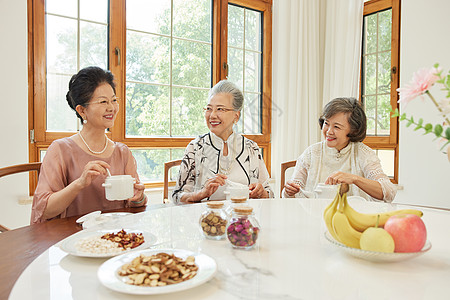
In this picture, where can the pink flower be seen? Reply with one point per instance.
(422, 81)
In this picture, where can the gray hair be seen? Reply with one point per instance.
(356, 116)
(227, 87)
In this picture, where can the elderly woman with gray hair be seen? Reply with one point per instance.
(341, 157)
(221, 156)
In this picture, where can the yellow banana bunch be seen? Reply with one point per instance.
(346, 224)
(344, 231)
(361, 221)
(329, 213)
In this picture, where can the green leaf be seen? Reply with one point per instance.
(403, 117)
(410, 122)
(438, 130)
(428, 128)
(419, 124)
(447, 81)
(447, 133)
(394, 113)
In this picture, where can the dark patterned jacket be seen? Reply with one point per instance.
(201, 162)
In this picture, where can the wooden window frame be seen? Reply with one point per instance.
(40, 139)
(388, 142)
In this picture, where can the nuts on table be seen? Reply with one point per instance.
(159, 270)
(213, 221)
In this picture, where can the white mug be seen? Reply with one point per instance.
(119, 187)
(322, 190)
(237, 192)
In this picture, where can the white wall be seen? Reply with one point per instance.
(14, 109)
(423, 171)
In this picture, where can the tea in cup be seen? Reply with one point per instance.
(119, 187)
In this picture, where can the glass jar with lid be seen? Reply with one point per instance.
(243, 228)
(213, 220)
(236, 201)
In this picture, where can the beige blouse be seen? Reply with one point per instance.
(63, 163)
(319, 161)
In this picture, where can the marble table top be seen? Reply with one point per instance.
(292, 259)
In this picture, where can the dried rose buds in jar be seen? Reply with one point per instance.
(243, 228)
(213, 221)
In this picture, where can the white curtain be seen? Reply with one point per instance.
(343, 38)
(316, 57)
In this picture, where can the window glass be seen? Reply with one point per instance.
(147, 108)
(376, 76)
(93, 10)
(164, 75)
(245, 61)
(66, 8)
(150, 163)
(93, 45)
(192, 19)
(72, 44)
(149, 16)
(148, 58)
(168, 63)
(188, 117)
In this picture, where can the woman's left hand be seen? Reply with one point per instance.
(341, 177)
(257, 191)
(138, 195)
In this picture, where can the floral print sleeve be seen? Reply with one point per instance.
(186, 176)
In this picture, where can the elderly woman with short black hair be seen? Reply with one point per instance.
(342, 157)
(74, 168)
(221, 156)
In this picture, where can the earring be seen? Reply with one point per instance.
(84, 121)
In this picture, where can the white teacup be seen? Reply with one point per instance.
(237, 192)
(119, 187)
(326, 190)
(322, 190)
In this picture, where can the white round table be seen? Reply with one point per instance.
(291, 260)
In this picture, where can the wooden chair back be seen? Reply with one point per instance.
(28, 167)
(284, 167)
(167, 166)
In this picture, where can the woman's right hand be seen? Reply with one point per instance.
(291, 188)
(212, 184)
(91, 170)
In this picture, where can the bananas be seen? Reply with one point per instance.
(345, 233)
(346, 224)
(361, 221)
(329, 213)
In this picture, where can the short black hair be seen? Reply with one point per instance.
(83, 85)
(356, 116)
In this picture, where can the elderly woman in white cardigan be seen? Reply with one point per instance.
(341, 157)
(221, 156)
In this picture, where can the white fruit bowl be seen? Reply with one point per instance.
(377, 256)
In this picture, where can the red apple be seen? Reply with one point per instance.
(408, 231)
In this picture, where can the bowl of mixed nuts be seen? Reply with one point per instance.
(156, 271)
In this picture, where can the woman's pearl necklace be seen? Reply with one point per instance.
(89, 148)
